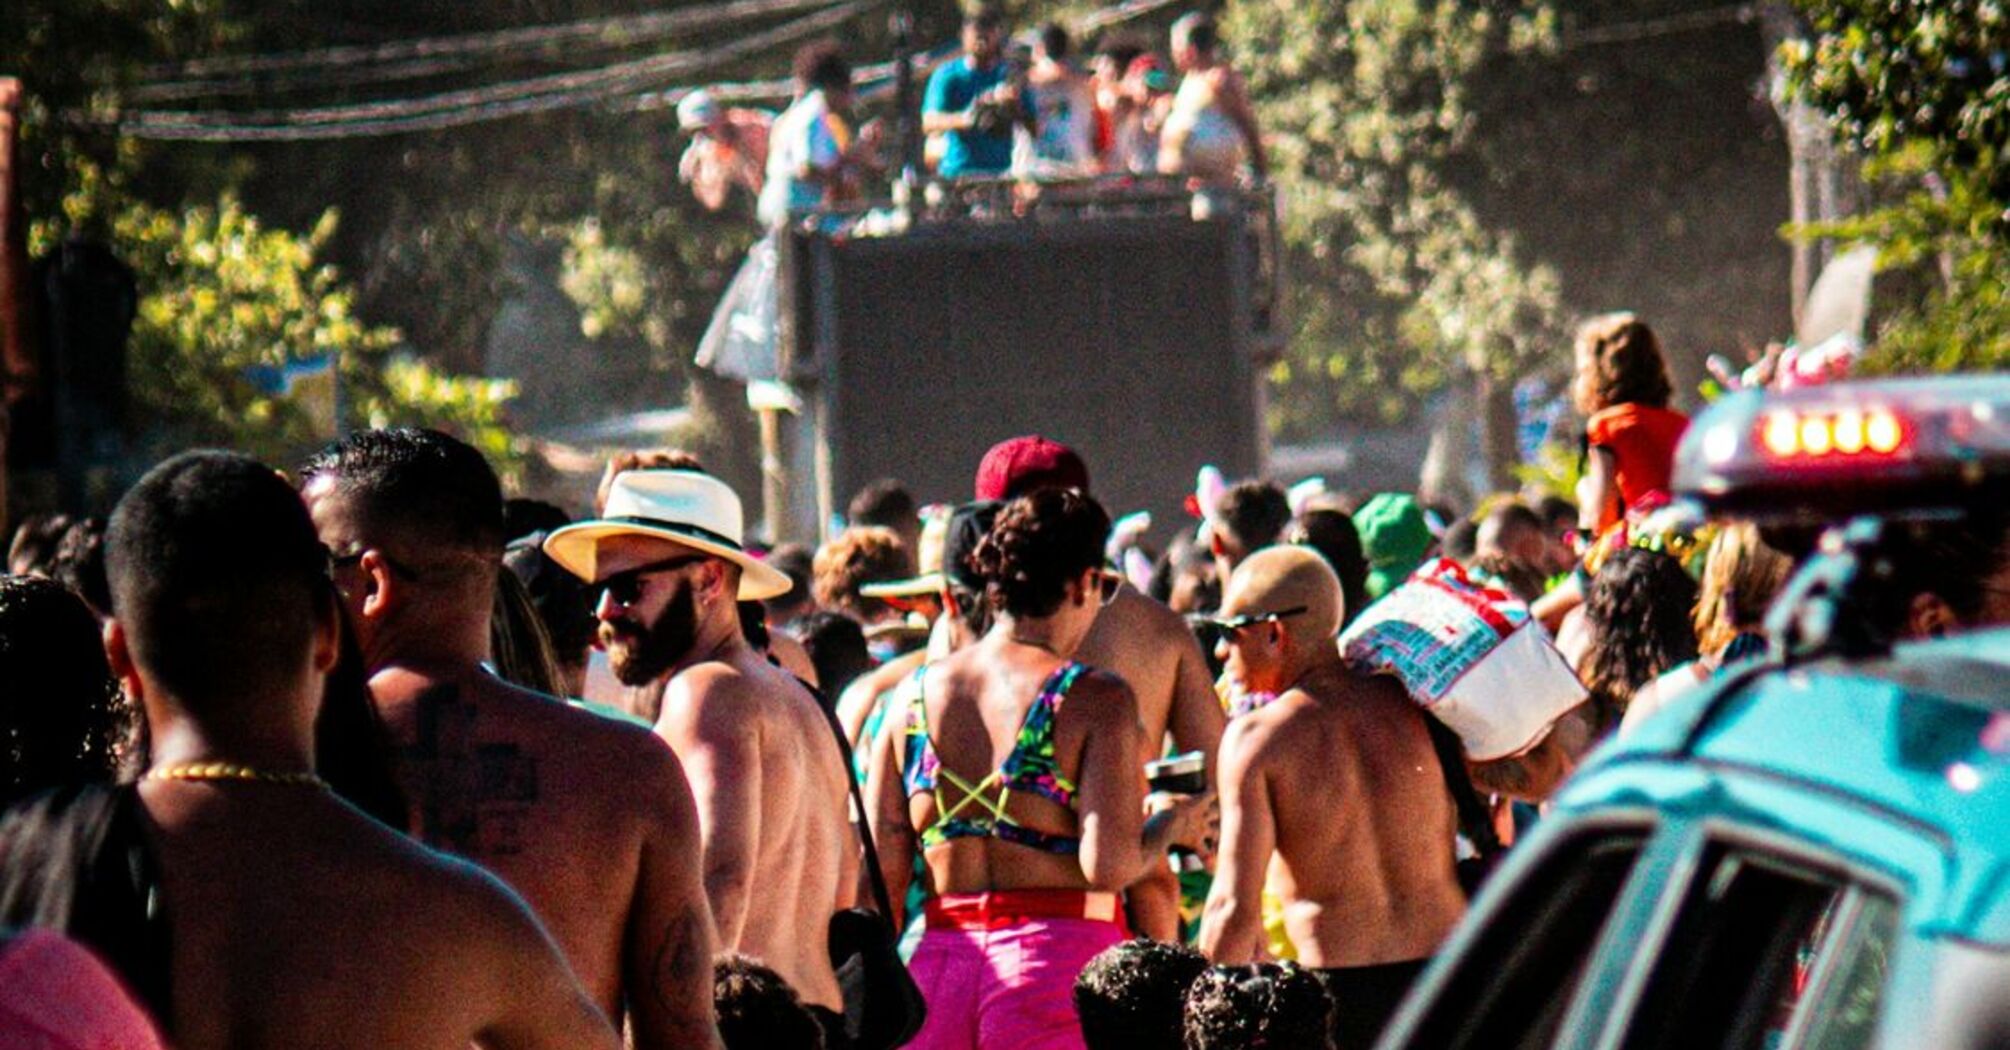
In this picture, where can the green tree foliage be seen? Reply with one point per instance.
(1923, 86)
(224, 297)
(1397, 284)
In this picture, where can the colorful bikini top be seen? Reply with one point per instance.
(1030, 766)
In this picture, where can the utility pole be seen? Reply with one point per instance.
(16, 363)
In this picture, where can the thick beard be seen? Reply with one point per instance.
(640, 656)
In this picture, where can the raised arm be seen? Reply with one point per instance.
(667, 951)
(721, 755)
(1231, 928)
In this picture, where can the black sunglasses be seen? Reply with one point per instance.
(625, 587)
(1237, 623)
(1108, 584)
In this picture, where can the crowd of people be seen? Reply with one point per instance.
(1001, 107)
(369, 755)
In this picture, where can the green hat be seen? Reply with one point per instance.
(1394, 538)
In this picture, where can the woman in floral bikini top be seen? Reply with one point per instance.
(1018, 780)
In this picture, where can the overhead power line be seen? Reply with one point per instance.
(1628, 32)
(613, 31)
(451, 109)
(602, 86)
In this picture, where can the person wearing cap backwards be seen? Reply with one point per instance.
(1014, 776)
(729, 147)
(667, 557)
(1333, 790)
(1136, 638)
(587, 817)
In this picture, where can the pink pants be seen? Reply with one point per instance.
(1006, 986)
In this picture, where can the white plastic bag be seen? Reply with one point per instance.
(1470, 656)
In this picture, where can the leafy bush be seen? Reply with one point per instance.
(229, 307)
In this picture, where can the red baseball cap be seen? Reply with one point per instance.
(1022, 464)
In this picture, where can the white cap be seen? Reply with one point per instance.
(696, 110)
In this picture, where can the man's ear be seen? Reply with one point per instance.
(382, 590)
(1930, 617)
(328, 632)
(119, 653)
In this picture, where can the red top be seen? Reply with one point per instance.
(56, 995)
(1642, 439)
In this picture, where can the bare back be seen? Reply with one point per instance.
(1151, 648)
(1342, 772)
(588, 818)
(297, 922)
(975, 707)
(780, 857)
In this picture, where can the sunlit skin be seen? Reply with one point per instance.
(764, 769)
(592, 822)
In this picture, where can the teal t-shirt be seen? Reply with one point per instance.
(952, 88)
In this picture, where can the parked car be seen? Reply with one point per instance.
(1813, 849)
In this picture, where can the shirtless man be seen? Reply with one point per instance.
(295, 921)
(1135, 638)
(764, 766)
(588, 817)
(1333, 789)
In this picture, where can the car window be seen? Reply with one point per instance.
(1514, 984)
(1840, 1012)
(1760, 947)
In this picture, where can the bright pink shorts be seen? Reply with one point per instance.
(998, 969)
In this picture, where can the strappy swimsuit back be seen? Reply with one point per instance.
(1030, 766)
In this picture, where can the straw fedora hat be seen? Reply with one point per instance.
(678, 506)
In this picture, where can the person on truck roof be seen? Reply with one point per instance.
(974, 101)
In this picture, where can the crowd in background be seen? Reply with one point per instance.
(1021, 107)
(367, 754)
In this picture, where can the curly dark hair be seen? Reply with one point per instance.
(1133, 995)
(1040, 543)
(1639, 613)
(757, 1008)
(63, 720)
(1620, 362)
(1265, 1004)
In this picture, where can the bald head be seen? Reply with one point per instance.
(1279, 579)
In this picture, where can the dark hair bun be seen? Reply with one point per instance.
(1039, 543)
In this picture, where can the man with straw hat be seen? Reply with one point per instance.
(667, 558)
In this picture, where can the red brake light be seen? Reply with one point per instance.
(1884, 433)
(1782, 434)
(1849, 431)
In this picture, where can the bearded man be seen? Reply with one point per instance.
(763, 765)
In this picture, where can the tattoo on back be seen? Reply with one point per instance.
(472, 798)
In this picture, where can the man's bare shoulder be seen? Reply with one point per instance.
(377, 864)
(1136, 613)
(1101, 698)
(717, 697)
(1263, 734)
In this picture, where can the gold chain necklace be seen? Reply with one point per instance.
(196, 771)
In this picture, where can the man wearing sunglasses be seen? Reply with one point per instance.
(1332, 794)
(588, 818)
(778, 853)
